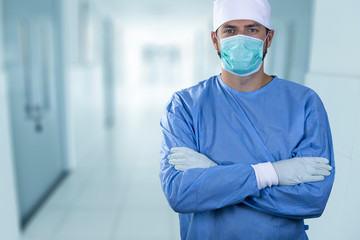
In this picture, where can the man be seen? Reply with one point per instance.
(245, 155)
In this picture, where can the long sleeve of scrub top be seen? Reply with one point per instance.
(280, 121)
(236, 130)
(198, 189)
(305, 200)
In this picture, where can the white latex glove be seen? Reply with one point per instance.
(185, 158)
(301, 170)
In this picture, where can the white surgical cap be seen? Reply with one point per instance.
(228, 10)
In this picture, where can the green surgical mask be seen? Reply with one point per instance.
(242, 55)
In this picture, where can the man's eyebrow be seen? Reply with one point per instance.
(246, 26)
(253, 25)
(229, 26)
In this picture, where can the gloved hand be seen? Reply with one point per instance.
(301, 170)
(185, 158)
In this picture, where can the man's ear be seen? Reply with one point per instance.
(214, 40)
(270, 38)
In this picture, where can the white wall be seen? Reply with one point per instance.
(84, 98)
(9, 228)
(288, 55)
(335, 75)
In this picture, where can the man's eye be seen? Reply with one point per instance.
(229, 31)
(253, 30)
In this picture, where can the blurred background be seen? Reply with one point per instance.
(83, 84)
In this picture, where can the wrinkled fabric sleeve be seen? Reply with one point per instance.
(304, 200)
(198, 189)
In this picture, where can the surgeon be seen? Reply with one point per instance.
(245, 155)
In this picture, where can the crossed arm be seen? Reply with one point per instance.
(204, 189)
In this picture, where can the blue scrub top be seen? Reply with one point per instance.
(236, 129)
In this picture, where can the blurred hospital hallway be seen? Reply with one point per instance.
(115, 192)
(83, 84)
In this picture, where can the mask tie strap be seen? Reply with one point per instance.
(266, 44)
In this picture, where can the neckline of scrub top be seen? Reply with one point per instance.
(260, 90)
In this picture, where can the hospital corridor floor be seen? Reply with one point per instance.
(114, 192)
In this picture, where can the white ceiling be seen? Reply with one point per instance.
(158, 7)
